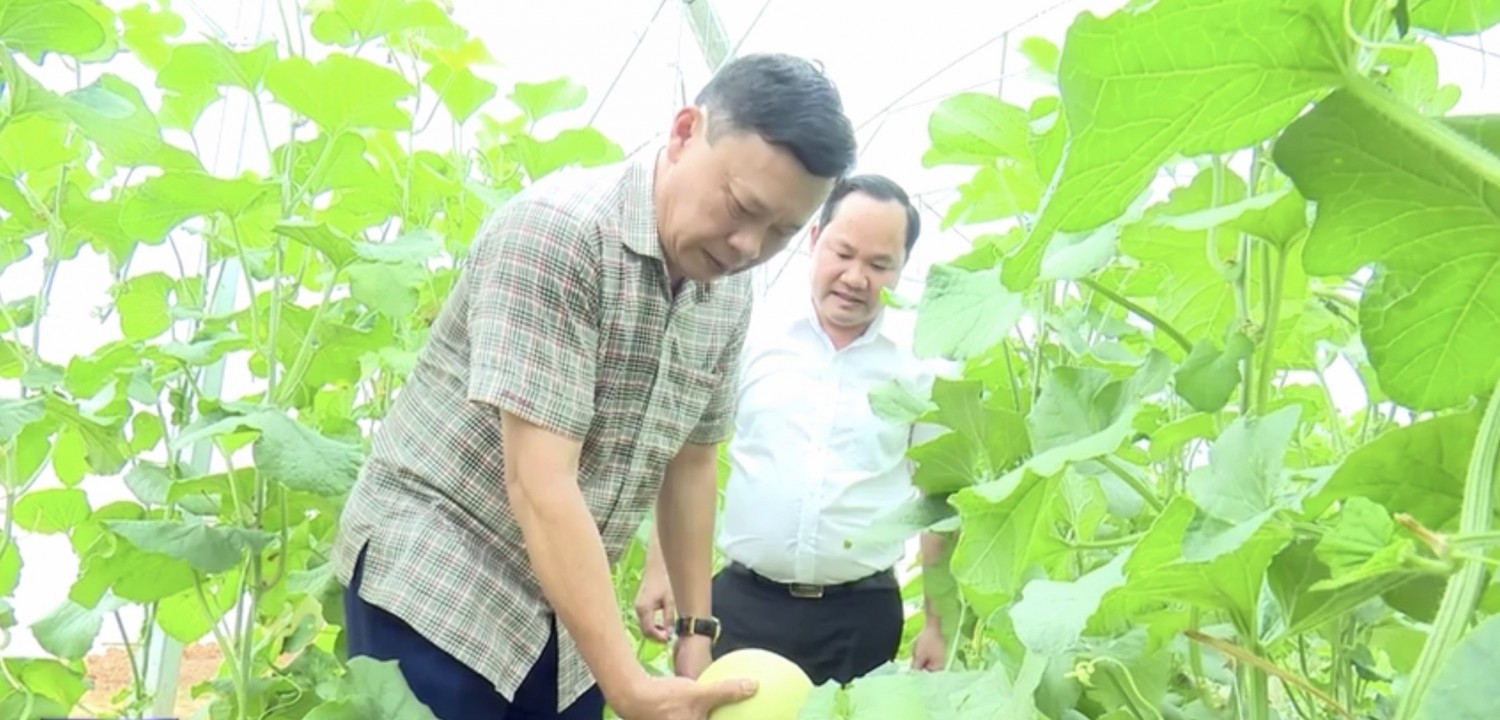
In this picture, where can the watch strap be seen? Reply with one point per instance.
(706, 626)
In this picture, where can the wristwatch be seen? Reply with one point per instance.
(707, 626)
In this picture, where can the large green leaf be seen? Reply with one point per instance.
(1420, 202)
(36, 27)
(1007, 528)
(1051, 615)
(1241, 486)
(1464, 687)
(963, 313)
(1416, 469)
(1455, 17)
(208, 548)
(1176, 77)
(341, 92)
(1084, 413)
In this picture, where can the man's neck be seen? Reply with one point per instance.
(841, 336)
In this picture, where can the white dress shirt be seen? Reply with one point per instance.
(811, 465)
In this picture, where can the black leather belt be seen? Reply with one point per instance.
(883, 580)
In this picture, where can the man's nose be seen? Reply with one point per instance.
(747, 245)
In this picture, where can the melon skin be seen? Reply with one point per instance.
(782, 686)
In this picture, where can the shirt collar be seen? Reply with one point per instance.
(807, 317)
(638, 229)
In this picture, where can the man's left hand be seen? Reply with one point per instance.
(929, 651)
(692, 655)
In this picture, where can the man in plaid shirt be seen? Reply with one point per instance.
(583, 370)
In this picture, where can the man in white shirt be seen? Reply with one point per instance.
(812, 466)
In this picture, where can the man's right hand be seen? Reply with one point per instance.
(678, 698)
(654, 607)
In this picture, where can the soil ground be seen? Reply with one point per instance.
(109, 672)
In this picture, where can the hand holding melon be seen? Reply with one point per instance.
(782, 687)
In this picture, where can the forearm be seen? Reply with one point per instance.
(568, 558)
(655, 564)
(684, 529)
(933, 548)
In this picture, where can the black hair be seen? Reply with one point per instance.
(878, 187)
(789, 103)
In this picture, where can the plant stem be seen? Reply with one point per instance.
(1463, 589)
(1150, 317)
(1272, 288)
(1133, 481)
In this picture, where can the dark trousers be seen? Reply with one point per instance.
(449, 688)
(846, 633)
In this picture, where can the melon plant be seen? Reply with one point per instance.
(1158, 506)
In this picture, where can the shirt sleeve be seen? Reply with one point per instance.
(717, 421)
(533, 316)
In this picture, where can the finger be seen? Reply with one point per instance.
(724, 692)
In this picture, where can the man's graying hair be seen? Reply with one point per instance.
(789, 103)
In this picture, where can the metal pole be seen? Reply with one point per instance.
(713, 42)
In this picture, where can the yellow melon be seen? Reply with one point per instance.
(782, 686)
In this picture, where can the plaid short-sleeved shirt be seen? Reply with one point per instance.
(563, 316)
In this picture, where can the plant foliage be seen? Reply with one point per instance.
(1157, 509)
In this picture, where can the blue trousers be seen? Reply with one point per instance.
(452, 690)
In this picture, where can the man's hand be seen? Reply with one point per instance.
(654, 608)
(692, 656)
(678, 698)
(929, 651)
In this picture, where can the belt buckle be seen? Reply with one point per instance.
(805, 591)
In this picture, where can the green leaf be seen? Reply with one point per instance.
(146, 32)
(459, 89)
(1007, 529)
(341, 92)
(198, 66)
(112, 113)
(896, 401)
(1231, 582)
(416, 246)
(208, 548)
(1209, 376)
(388, 288)
(50, 511)
(1176, 77)
(1463, 688)
(1278, 217)
(541, 100)
(914, 516)
(349, 23)
(1455, 17)
(585, 147)
(963, 313)
(372, 690)
(337, 247)
(1422, 203)
(70, 629)
(54, 688)
(972, 128)
(1243, 477)
(1416, 469)
(302, 459)
(10, 569)
(16, 414)
(1051, 615)
(1084, 413)
(143, 307)
(1362, 545)
(37, 27)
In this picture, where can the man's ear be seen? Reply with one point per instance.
(812, 235)
(687, 122)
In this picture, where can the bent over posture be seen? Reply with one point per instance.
(585, 361)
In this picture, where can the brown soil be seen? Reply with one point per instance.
(109, 672)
